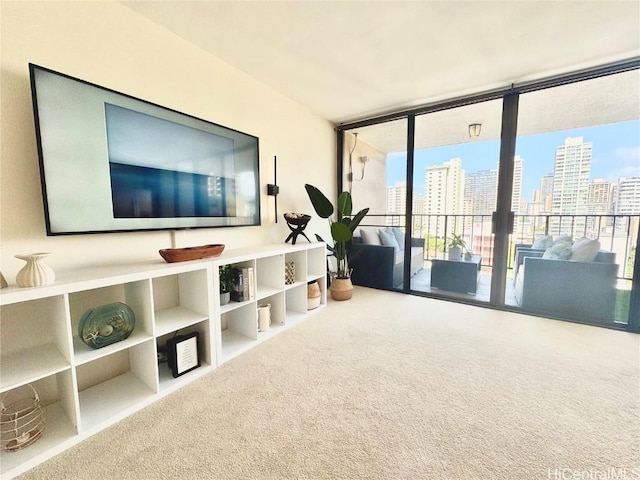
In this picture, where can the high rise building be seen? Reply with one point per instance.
(571, 177)
(628, 196)
(396, 203)
(600, 199)
(444, 191)
(480, 190)
(546, 192)
(444, 187)
(516, 198)
(397, 198)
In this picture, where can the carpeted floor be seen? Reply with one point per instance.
(391, 386)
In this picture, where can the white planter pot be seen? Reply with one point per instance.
(455, 253)
(225, 298)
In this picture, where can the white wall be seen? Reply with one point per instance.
(110, 45)
(368, 189)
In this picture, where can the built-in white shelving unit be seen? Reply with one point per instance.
(85, 390)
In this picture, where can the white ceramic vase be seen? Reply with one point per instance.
(264, 317)
(35, 273)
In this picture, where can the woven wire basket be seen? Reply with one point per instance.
(22, 419)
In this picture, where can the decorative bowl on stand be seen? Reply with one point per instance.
(296, 222)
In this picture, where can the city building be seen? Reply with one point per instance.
(444, 187)
(444, 191)
(546, 192)
(516, 199)
(600, 199)
(628, 196)
(397, 198)
(571, 177)
(480, 191)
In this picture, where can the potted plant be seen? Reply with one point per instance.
(226, 283)
(455, 246)
(342, 229)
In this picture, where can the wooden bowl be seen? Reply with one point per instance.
(172, 255)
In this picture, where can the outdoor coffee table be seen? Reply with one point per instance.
(456, 275)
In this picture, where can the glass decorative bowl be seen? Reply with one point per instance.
(107, 324)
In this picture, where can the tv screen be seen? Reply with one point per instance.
(110, 162)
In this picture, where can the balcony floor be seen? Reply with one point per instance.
(421, 282)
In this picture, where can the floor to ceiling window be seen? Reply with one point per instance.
(375, 171)
(500, 174)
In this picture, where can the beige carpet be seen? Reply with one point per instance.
(391, 386)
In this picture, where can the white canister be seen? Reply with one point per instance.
(264, 317)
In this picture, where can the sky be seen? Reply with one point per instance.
(615, 154)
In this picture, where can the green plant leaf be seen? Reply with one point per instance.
(345, 204)
(355, 221)
(321, 204)
(340, 232)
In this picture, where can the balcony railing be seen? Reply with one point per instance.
(616, 233)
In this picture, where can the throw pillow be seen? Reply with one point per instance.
(558, 251)
(585, 250)
(542, 243)
(370, 236)
(389, 240)
(399, 234)
(562, 238)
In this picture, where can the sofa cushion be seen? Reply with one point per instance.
(542, 243)
(370, 236)
(389, 240)
(562, 238)
(519, 283)
(558, 251)
(399, 234)
(584, 250)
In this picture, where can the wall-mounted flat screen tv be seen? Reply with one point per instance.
(110, 162)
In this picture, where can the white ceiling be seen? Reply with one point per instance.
(348, 60)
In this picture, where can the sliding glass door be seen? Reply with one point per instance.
(455, 185)
(580, 146)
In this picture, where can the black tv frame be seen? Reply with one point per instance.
(250, 165)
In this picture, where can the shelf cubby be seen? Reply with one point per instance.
(322, 284)
(205, 355)
(296, 303)
(239, 330)
(34, 340)
(278, 315)
(115, 384)
(190, 290)
(316, 263)
(299, 259)
(269, 275)
(136, 295)
(58, 431)
(59, 404)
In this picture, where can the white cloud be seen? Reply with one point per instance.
(630, 171)
(629, 154)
